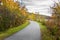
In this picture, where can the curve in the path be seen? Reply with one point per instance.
(31, 32)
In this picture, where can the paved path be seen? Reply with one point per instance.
(31, 32)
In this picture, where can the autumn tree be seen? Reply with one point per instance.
(56, 18)
(54, 23)
(11, 14)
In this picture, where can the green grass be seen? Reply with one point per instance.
(12, 31)
(45, 33)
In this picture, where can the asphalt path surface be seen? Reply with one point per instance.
(31, 32)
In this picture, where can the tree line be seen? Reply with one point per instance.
(11, 14)
(53, 24)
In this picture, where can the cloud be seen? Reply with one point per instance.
(34, 0)
(41, 6)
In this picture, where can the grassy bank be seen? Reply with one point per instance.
(45, 33)
(12, 31)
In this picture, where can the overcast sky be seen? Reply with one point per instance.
(41, 6)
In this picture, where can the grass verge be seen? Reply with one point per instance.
(12, 30)
(45, 33)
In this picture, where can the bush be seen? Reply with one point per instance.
(10, 18)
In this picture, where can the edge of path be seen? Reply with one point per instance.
(11, 31)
